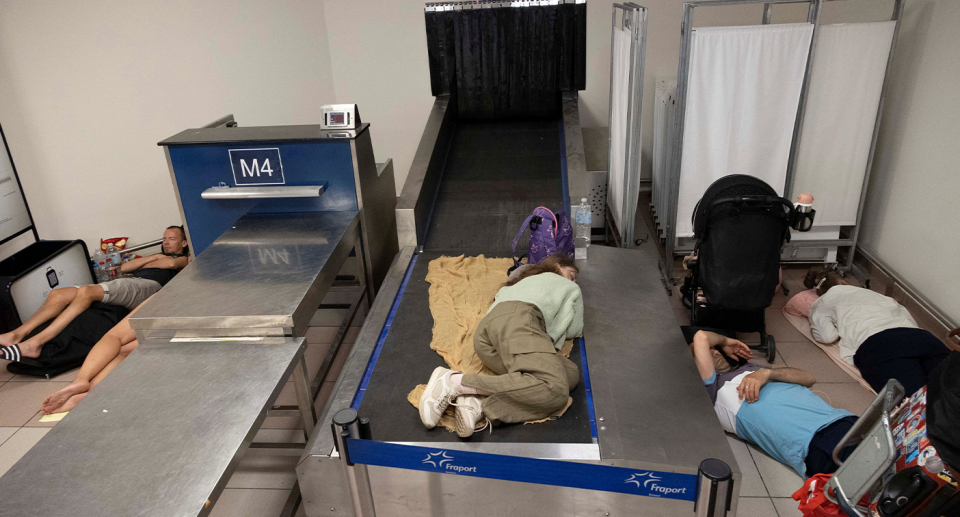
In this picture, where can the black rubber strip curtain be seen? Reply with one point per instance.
(507, 59)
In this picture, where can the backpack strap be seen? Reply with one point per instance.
(516, 240)
(556, 223)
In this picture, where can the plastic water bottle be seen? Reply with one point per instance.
(99, 266)
(584, 218)
(113, 261)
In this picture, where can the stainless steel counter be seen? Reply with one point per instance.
(159, 436)
(264, 276)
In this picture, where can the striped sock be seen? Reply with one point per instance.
(10, 353)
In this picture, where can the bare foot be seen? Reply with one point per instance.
(9, 339)
(30, 348)
(71, 402)
(60, 397)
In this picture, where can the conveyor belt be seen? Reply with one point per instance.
(495, 175)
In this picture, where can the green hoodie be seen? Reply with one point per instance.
(558, 299)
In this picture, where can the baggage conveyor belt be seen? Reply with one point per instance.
(496, 173)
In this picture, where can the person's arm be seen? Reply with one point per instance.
(132, 265)
(749, 388)
(823, 323)
(168, 263)
(704, 342)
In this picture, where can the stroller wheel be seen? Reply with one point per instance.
(771, 349)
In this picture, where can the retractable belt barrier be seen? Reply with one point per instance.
(569, 474)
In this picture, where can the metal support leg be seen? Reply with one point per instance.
(304, 400)
(363, 274)
(714, 489)
(346, 425)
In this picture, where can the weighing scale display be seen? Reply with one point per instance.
(338, 118)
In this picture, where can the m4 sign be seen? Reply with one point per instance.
(256, 166)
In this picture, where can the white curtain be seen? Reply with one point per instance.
(844, 93)
(619, 105)
(742, 97)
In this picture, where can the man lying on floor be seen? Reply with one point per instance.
(112, 348)
(770, 407)
(62, 305)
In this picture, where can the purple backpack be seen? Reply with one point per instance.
(549, 234)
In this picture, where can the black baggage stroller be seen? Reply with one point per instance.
(740, 225)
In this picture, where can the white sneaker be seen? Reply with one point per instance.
(469, 412)
(437, 396)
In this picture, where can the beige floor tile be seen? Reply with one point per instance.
(7, 432)
(281, 422)
(20, 401)
(808, 356)
(676, 300)
(780, 480)
(235, 502)
(851, 396)
(780, 328)
(17, 445)
(787, 507)
(4, 374)
(683, 316)
(314, 355)
(794, 273)
(755, 507)
(751, 484)
(322, 335)
(264, 469)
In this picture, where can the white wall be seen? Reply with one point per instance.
(88, 88)
(912, 217)
(378, 51)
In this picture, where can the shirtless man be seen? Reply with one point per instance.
(62, 305)
(112, 348)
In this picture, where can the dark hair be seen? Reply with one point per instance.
(183, 234)
(822, 279)
(551, 264)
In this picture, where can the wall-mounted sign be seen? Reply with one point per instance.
(256, 166)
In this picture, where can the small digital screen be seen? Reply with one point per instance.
(337, 118)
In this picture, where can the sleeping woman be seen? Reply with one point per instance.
(518, 340)
(877, 334)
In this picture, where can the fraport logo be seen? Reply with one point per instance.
(649, 481)
(442, 460)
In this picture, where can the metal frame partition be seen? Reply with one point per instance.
(813, 16)
(634, 17)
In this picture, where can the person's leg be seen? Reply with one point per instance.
(103, 355)
(536, 384)
(85, 296)
(819, 458)
(903, 354)
(53, 305)
(930, 352)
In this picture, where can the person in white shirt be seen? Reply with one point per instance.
(877, 334)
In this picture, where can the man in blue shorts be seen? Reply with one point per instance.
(770, 407)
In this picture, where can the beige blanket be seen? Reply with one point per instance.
(461, 291)
(833, 351)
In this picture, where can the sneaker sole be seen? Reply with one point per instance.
(463, 430)
(437, 372)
